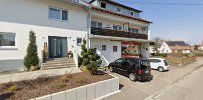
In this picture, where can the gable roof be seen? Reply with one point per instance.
(177, 43)
(118, 4)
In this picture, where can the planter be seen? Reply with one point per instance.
(88, 92)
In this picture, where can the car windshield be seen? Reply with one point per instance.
(144, 64)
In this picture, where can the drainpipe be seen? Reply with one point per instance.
(89, 28)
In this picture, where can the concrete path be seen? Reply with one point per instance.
(146, 90)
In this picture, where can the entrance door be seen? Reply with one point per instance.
(57, 47)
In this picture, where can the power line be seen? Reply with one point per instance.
(163, 3)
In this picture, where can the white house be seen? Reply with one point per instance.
(60, 25)
(175, 47)
(118, 31)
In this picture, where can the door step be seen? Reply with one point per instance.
(57, 63)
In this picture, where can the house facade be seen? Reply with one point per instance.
(118, 31)
(175, 47)
(60, 26)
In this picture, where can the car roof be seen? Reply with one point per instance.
(138, 59)
(157, 58)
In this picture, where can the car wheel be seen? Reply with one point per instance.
(161, 69)
(132, 77)
(111, 69)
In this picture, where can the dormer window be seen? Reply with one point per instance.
(132, 13)
(103, 5)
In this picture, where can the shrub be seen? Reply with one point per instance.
(85, 61)
(31, 58)
(12, 88)
(91, 60)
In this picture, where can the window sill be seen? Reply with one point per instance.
(8, 48)
(59, 20)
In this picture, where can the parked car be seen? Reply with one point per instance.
(159, 64)
(137, 69)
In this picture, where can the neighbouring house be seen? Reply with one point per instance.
(201, 46)
(118, 31)
(175, 47)
(112, 29)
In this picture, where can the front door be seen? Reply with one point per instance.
(57, 47)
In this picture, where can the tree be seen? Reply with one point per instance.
(31, 59)
(157, 44)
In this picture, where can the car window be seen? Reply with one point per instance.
(155, 60)
(144, 64)
(119, 60)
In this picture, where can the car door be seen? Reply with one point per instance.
(155, 63)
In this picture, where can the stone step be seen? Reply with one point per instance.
(58, 62)
(54, 67)
(47, 65)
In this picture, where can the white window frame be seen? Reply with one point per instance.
(10, 47)
(61, 14)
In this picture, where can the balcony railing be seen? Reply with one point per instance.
(116, 33)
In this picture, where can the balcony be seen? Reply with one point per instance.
(116, 33)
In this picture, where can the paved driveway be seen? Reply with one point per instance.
(141, 90)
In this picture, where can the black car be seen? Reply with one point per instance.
(136, 68)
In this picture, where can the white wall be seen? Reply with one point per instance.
(164, 48)
(145, 50)
(22, 16)
(186, 51)
(109, 55)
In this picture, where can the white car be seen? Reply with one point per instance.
(159, 64)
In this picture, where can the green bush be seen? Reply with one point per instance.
(85, 61)
(90, 52)
(97, 57)
(31, 58)
(91, 60)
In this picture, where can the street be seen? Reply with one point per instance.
(177, 84)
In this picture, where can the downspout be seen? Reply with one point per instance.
(88, 27)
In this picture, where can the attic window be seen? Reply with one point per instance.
(103, 5)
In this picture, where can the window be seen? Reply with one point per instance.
(95, 24)
(118, 9)
(58, 14)
(154, 60)
(103, 5)
(99, 25)
(103, 47)
(117, 27)
(132, 13)
(119, 60)
(7, 39)
(133, 30)
(64, 15)
(79, 41)
(115, 48)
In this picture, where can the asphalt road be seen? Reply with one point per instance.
(159, 86)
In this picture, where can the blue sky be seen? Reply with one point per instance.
(173, 22)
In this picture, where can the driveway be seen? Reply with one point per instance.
(142, 90)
